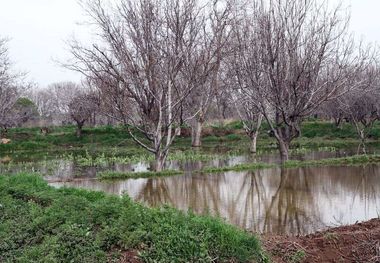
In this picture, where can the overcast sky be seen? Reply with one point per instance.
(38, 29)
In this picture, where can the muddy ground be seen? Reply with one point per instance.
(354, 243)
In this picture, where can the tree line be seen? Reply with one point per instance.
(158, 65)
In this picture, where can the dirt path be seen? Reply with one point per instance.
(353, 243)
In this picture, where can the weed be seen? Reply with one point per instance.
(331, 237)
(297, 257)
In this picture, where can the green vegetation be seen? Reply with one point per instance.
(41, 224)
(238, 167)
(331, 236)
(296, 257)
(314, 134)
(123, 175)
(115, 156)
(352, 160)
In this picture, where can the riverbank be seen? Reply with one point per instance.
(353, 243)
(42, 224)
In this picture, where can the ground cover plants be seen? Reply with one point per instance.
(41, 224)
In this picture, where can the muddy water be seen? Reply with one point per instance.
(56, 168)
(281, 201)
(291, 201)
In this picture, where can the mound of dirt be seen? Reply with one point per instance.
(354, 243)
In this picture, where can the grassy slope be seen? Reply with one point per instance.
(41, 224)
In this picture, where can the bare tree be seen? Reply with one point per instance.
(332, 109)
(53, 101)
(11, 89)
(144, 45)
(244, 72)
(361, 107)
(252, 120)
(203, 66)
(294, 56)
(81, 109)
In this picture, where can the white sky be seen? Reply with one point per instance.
(38, 29)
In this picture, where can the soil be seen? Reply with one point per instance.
(354, 243)
(130, 256)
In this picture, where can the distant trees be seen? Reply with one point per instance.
(82, 108)
(359, 106)
(53, 101)
(24, 109)
(159, 64)
(11, 90)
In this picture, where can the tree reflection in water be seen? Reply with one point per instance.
(291, 201)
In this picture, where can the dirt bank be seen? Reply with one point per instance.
(354, 243)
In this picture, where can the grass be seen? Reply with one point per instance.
(115, 156)
(314, 134)
(238, 167)
(129, 175)
(352, 160)
(39, 223)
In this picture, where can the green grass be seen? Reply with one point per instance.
(41, 224)
(345, 161)
(128, 175)
(135, 155)
(314, 133)
(238, 167)
(352, 160)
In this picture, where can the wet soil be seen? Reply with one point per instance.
(353, 243)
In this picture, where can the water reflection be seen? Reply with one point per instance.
(292, 201)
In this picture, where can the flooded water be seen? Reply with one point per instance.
(54, 167)
(281, 201)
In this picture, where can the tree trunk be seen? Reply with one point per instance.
(284, 150)
(159, 163)
(79, 130)
(196, 134)
(4, 132)
(337, 122)
(253, 146)
(362, 147)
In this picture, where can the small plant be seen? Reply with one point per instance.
(297, 257)
(331, 237)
